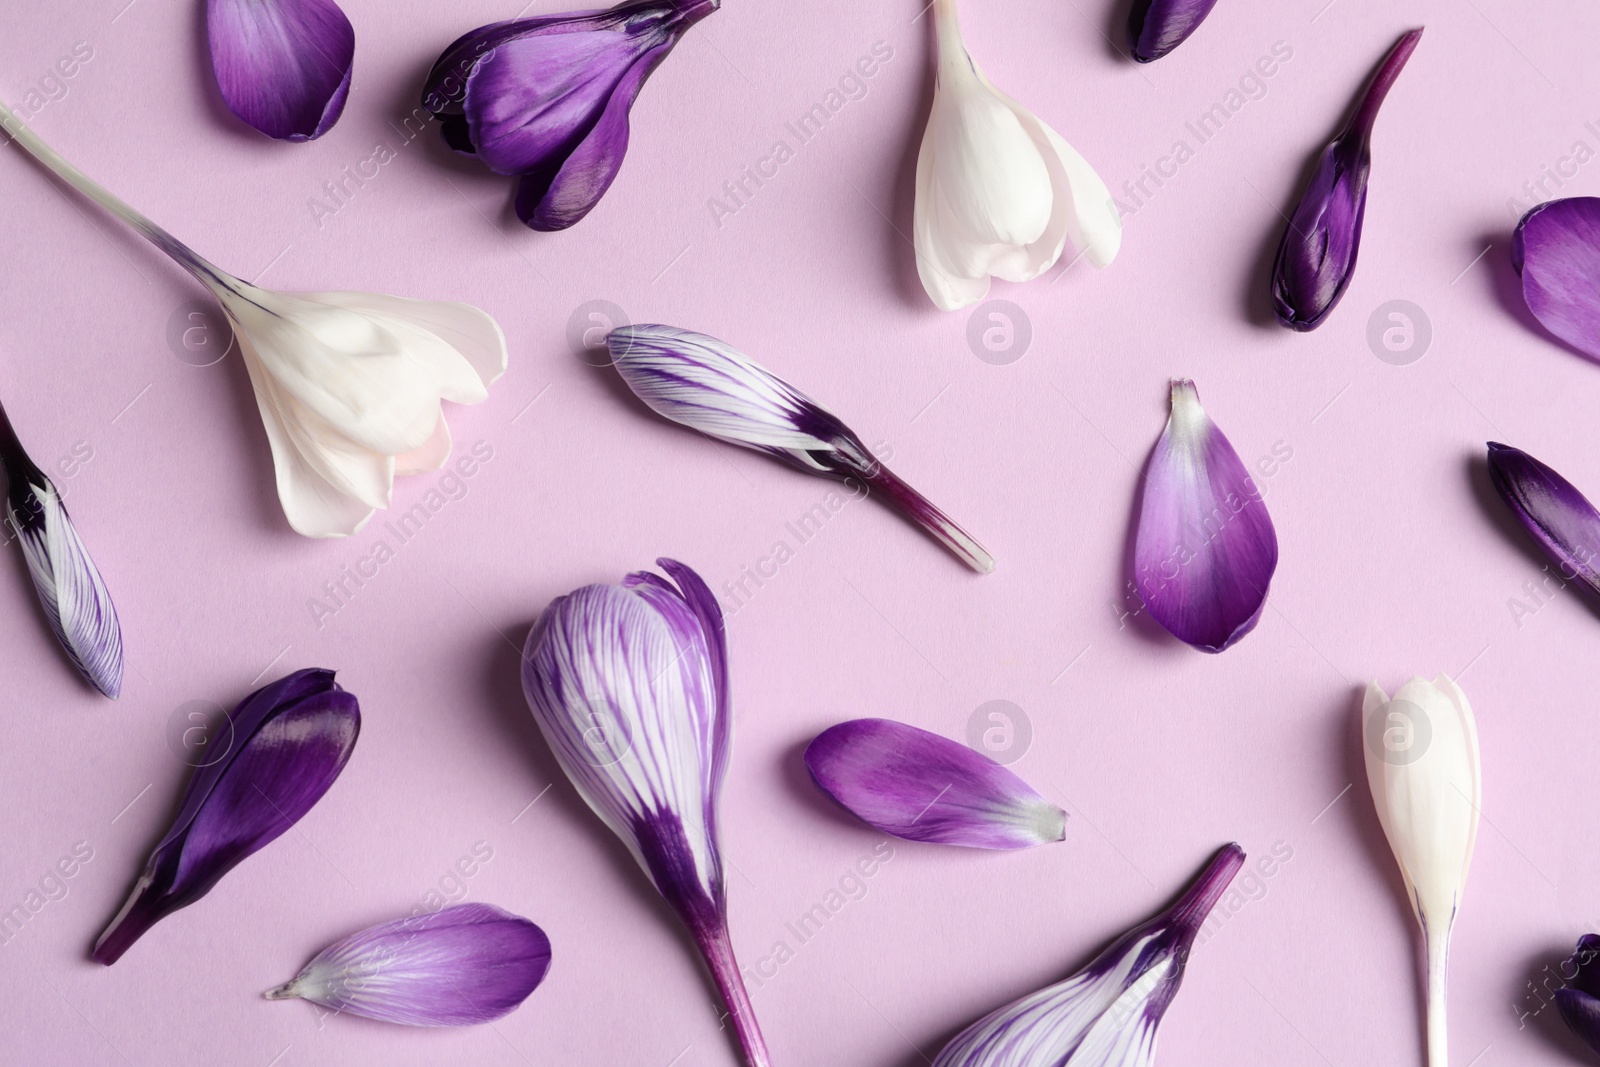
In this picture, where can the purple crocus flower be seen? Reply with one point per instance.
(283, 66)
(924, 787)
(1107, 1014)
(1556, 515)
(1556, 250)
(1579, 1000)
(1205, 549)
(75, 600)
(629, 685)
(287, 743)
(1156, 27)
(1317, 256)
(547, 98)
(462, 965)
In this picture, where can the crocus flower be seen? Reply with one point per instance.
(1427, 784)
(629, 685)
(465, 964)
(1205, 549)
(75, 600)
(1579, 1000)
(1156, 27)
(349, 384)
(923, 787)
(290, 740)
(547, 98)
(999, 193)
(1556, 250)
(1107, 1014)
(1317, 256)
(1560, 519)
(712, 387)
(283, 66)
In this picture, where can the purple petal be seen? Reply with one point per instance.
(283, 66)
(466, 964)
(1156, 27)
(1581, 1012)
(1205, 548)
(1551, 509)
(1556, 249)
(288, 742)
(923, 787)
(1317, 256)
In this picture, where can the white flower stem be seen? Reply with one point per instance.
(952, 51)
(1438, 951)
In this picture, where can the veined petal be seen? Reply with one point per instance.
(1156, 27)
(1556, 515)
(462, 965)
(1556, 249)
(283, 66)
(1205, 550)
(923, 787)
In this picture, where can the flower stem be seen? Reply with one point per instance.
(717, 949)
(1191, 910)
(1438, 950)
(1366, 112)
(920, 510)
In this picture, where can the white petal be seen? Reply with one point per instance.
(947, 290)
(430, 457)
(987, 169)
(471, 331)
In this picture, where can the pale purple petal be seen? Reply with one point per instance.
(924, 787)
(1205, 549)
(463, 965)
(283, 66)
(285, 745)
(1556, 249)
(1556, 515)
(1156, 27)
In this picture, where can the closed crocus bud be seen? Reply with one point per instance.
(283, 66)
(999, 193)
(1317, 256)
(547, 98)
(1156, 27)
(1579, 1000)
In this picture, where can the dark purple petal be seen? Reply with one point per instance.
(288, 742)
(1585, 960)
(463, 965)
(283, 66)
(1581, 1012)
(1156, 27)
(1558, 517)
(1205, 549)
(1556, 249)
(924, 787)
(1317, 256)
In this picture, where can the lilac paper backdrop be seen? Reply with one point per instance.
(1393, 562)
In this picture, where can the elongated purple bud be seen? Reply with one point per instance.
(1317, 256)
(287, 741)
(1156, 27)
(282, 66)
(1579, 1000)
(1556, 515)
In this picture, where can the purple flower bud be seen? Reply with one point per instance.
(1579, 1001)
(1156, 27)
(1317, 256)
(283, 66)
(1556, 515)
(547, 98)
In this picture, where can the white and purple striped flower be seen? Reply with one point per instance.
(629, 685)
(1107, 1014)
(74, 597)
(710, 386)
(282, 66)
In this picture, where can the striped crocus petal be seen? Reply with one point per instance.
(1205, 548)
(465, 964)
(924, 787)
(280, 750)
(710, 386)
(629, 686)
(1579, 1000)
(74, 597)
(283, 66)
(1107, 1014)
(1559, 518)
(1156, 27)
(1556, 250)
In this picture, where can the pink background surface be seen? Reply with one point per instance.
(1394, 561)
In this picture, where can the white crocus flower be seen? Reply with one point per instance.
(349, 384)
(1427, 783)
(999, 193)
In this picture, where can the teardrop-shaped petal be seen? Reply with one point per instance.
(462, 965)
(283, 66)
(1205, 550)
(924, 787)
(1317, 256)
(1556, 515)
(1556, 249)
(1106, 1015)
(1156, 27)
(1579, 1001)
(287, 743)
